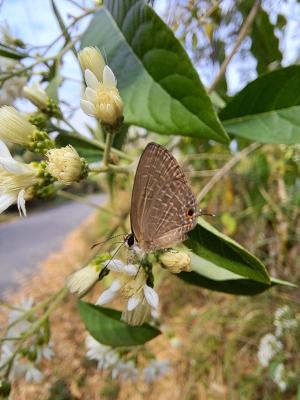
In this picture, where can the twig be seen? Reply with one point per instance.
(108, 144)
(241, 36)
(226, 168)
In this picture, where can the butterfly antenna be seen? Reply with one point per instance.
(105, 270)
(106, 240)
(200, 213)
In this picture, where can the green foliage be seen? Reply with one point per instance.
(104, 324)
(265, 44)
(268, 109)
(159, 85)
(217, 249)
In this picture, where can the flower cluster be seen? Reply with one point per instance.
(108, 358)
(102, 99)
(25, 363)
(272, 352)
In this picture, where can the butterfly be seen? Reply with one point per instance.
(163, 206)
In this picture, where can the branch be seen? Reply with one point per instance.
(241, 36)
(226, 168)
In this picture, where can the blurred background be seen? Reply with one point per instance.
(218, 345)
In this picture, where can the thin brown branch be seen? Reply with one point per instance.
(241, 36)
(226, 168)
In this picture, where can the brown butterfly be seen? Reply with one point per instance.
(163, 206)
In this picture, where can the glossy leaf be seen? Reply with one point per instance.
(104, 324)
(217, 249)
(210, 276)
(85, 148)
(158, 83)
(268, 109)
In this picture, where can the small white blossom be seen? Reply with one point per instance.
(283, 320)
(15, 178)
(81, 281)
(278, 377)
(269, 346)
(156, 370)
(119, 266)
(102, 99)
(45, 351)
(109, 294)
(37, 95)
(33, 374)
(14, 127)
(126, 370)
(104, 355)
(66, 165)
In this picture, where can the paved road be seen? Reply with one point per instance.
(25, 242)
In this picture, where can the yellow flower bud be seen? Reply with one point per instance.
(66, 165)
(14, 127)
(176, 261)
(91, 58)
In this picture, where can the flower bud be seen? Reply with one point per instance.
(102, 99)
(176, 261)
(66, 165)
(15, 128)
(80, 282)
(91, 58)
(37, 95)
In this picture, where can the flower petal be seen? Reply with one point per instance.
(90, 94)
(131, 269)
(151, 296)
(115, 286)
(11, 165)
(90, 79)
(7, 200)
(87, 107)
(109, 79)
(106, 297)
(21, 202)
(4, 152)
(133, 302)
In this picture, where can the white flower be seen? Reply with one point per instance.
(80, 282)
(33, 374)
(66, 165)
(175, 261)
(37, 95)
(45, 351)
(91, 58)
(104, 355)
(15, 178)
(119, 266)
(126, 370)
(278, 377)
(156, 370)
(14, 127)
(269, 346)
(283, 320)
(141, 298)
(102, 99)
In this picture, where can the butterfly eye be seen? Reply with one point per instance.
(190, 212)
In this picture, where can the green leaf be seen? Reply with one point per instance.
(218, 249)
(265, 44)
(104, 324)
(85, 148)
(158, 83)
(268, 109)
(9, 52)
(210, 276)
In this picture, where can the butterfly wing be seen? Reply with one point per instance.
(163, 207)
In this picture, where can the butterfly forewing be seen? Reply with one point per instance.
(163, 207)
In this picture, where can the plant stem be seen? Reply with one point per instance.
(241, 36)
(108, 144)
(225, 169)
(126, 169)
